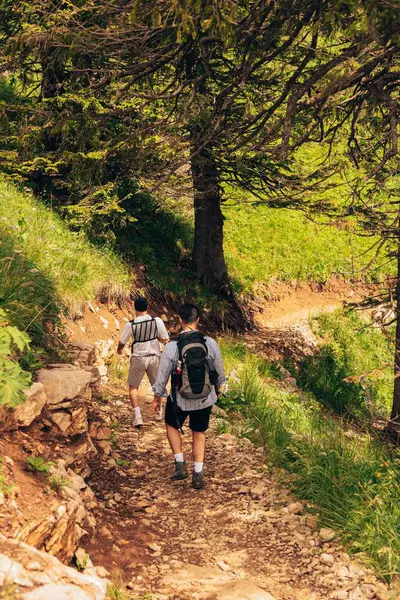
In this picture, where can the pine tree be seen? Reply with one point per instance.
(228, 89)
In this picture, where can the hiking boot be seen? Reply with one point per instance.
(198, 480)
(180, 471)
(138, 422)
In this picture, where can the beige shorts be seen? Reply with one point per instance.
(141, 365)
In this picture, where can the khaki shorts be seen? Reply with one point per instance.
(141, 365)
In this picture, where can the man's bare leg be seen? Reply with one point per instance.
(199, 448)
(134, 398)
(175, 441)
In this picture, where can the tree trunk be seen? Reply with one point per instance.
(395, 415)
(208, 251)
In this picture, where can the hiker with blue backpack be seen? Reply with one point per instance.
(195, 365)
(146, 333)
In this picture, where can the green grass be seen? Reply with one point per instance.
(262, 245)
(77, 270)
(351, 479)
(265, 244)
(353, 371)
(46, 270)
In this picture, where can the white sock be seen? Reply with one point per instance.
(136, 412)
(198, 467)
(179, 457)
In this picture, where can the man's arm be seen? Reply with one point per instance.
(167, 365)
(219, 367)
(163, 336)
(125, 335)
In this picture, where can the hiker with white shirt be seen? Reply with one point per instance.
(146, 333)
(195, 365)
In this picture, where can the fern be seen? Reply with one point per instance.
(13, 379)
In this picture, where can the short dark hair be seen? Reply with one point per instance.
(141, 304)
(189, 313)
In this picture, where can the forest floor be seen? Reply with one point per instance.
(243, 537)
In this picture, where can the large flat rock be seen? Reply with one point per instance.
(29, 574)
(212, 583)
(64, 384)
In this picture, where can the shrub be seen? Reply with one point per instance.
(352, 373)
(116, 590)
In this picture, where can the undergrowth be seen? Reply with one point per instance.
(352, 479)
(352, 372)
(116, 590)
(13, 378)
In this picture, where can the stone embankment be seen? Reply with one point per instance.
(50, 509)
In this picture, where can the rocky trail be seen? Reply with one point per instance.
(244, 537)
(107, 495)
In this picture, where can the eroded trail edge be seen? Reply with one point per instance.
(243, 537)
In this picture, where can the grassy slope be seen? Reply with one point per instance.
(264, 244)
(45, 268)
(352, 480)
(261, 245)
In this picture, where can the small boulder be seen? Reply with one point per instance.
(326, 534)
(81, 353)
(327, 559)
(105, 447)
(296, 508)
(311, 521)
(98, 431)
(72, 421)
(223, 566)
(104, 322)
(24, 414)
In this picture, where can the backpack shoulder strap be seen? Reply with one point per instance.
(190, 337)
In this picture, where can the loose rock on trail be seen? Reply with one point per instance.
(244, 537)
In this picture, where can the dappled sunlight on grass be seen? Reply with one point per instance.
(265, 244)
(77, 270)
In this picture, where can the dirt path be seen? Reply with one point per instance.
(241, 538)
(291, 304)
